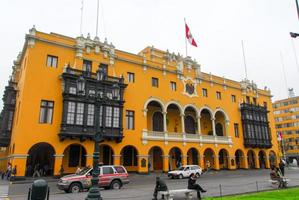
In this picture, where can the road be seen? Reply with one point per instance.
(142, 186)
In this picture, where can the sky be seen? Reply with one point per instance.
(218, 27)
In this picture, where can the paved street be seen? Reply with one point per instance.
(141, 186)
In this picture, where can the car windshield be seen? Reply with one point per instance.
(181, 168)
(83, 171)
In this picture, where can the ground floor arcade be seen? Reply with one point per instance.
(49, 159)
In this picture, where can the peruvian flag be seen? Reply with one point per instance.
(189, 36)
(279, 138)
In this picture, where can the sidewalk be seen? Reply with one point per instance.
(4, 187)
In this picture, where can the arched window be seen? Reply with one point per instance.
(219, 129)
(189, 125)
(158, 122)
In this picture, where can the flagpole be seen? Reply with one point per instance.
(244, 59)
(185, 38)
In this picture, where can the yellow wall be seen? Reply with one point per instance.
(38, 82)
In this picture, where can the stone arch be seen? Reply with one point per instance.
(156, 158)
(173, 118)
(206, 108)
(240, 159)
(223, 156)
(251, 159)
(209, 158)
(74, 156)
(181, 109)
(223, 112)
(129, 157)
(262, 159)
(272, 158)
(41, 156)
(192, 156)
(156, 100)
(191, 106)
(153, 107)
(206, 125)
(175, 158)
(106, 154)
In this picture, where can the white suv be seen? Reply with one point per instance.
(185, 171)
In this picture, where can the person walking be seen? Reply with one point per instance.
(160, 186)
(281, 166)
(36, 171)
(8, 171)
(194, 186)
(61, 171)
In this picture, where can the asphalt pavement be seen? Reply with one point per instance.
(141, 187)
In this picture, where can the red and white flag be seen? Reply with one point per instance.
(189, 36)
(279, 136)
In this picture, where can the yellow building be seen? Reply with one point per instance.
(164, 112)
(286, 115)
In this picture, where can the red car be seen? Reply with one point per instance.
(111, 176)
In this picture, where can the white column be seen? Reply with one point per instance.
(213, 126)
(164, 121)
(226, 127)
(183, 122)
(198, 125)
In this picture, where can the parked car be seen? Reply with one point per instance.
(185, 171)
(111, 176)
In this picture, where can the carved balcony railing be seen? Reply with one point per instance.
(185, 138)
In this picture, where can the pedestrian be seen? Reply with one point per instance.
(276, 175)
(149, 167)
(14, 171)
(36, 171)
(281, 166)
(61, 171)
(9, 170)
(160, 186)
(194, 186)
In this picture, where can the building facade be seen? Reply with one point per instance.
(286, 115)
(166, 111)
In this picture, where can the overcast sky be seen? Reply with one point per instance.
(218, 27)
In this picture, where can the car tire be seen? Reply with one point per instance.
(75, 188)
(181, 176)
(172, 176)
(116, 184)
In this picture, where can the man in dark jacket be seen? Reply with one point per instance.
(160, 186)
(281, 166)
(194, 186)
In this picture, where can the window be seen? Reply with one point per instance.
(218, 95)
(131, 77)
(101, 116)
(233, 98)
(247, 99)
(52, 61)
(87, 65)
(108, 170)
(265, 104)
(90, 114)
(70, 112)
(254, 100)
(204, 92)
(10, 118)
(236, 129)
(46, 112)
(120, 169)
(173, 86)
(108, 116)
(72, 90)
(79, 113)
(155, 82)
(130, 119)
(116, 117)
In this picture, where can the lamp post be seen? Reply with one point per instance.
(94, 192)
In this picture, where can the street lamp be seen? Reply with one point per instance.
(81, 84)
(94, 192)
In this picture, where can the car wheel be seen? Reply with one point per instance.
(172, 176)
(181, 176)
(75, 188)
(116, 184)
